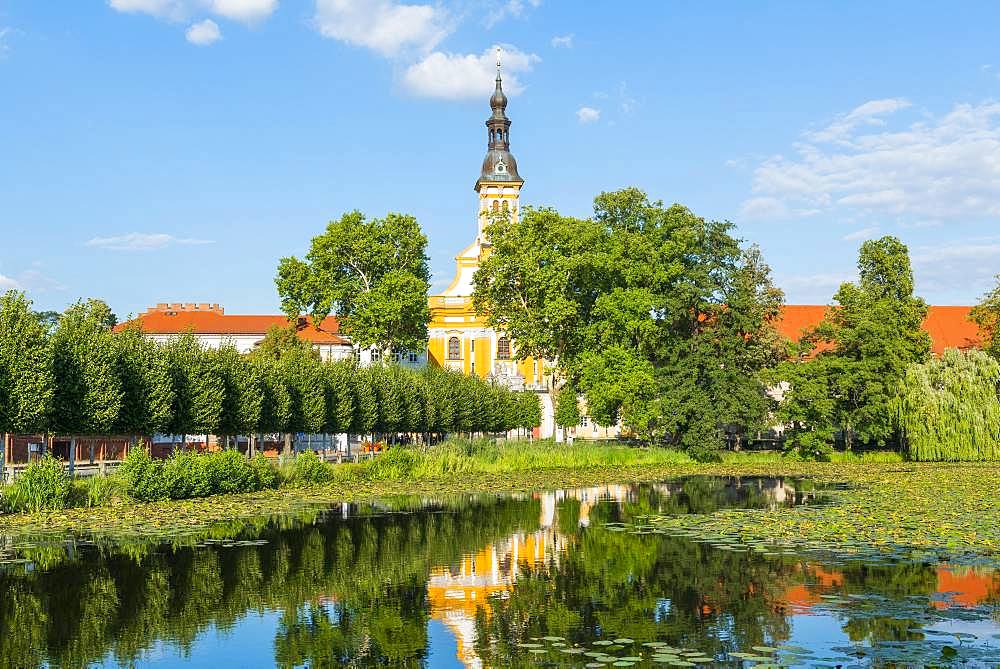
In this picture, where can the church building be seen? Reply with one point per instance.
(459, 338)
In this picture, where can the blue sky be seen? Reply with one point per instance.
(173, 150)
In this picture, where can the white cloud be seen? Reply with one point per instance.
(817, 288)
(963, 266)
(30, 280)
(866, 114)
(247, 11)
(588, 114)
(382, 25)
(512, 8)
(763, 207)
(863, 233)
(564, 41)
(4, 47)
(204, 33)
(938, 169)
(455, 76)
(142, 241)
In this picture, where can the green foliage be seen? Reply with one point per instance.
(303, 376)
(88, 390)
(308, 469)
(26, 381)
(866, 343)
(567, 412)
(42, 485)
(659, 315)
(948, 408)
(279, 341)
(199, 391)
(187, 475)
(373, 275)
(148, 393)
(243, 391)
(986, 315)
(142, 476)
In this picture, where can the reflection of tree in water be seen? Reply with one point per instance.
(356, 590)
(647, 587)
(348, 590)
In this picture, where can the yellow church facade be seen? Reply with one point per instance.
(459, 337)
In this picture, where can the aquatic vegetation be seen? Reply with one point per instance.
(937, 512)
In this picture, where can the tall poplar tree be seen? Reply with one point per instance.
(88, 391)
(864, 346)
(198, 388)
(26, 380)
(147, 389)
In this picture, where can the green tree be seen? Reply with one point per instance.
(276, 402)
(373, 275)
(865, 344)
(147, 389)
(279, 341)
(304, 378)
(88, 390)
(243, 391)
(339, 394)
(658, 316)
(567, 412)
(26, 381)
(986, 315)
(199, 391)
(948, 407)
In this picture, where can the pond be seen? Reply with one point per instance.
(559, 578)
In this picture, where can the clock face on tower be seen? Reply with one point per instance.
(500, 167)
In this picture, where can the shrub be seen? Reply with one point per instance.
(704, 454)
(99, 490)
(142, 476)
(396, 464)
(810, 445)
(42, 485)
(264, 473)
(308, 469)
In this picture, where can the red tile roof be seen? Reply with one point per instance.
(208, 322)
(949, 327)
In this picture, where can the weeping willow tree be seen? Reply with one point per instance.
(949, 408)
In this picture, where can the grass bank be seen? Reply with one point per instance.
(952, 508)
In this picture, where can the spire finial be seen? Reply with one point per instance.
(498, 62)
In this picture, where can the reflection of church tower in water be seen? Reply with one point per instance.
(459, 338)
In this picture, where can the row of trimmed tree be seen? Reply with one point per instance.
(82, 378)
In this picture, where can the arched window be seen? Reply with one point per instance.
(503, 348)
(505, 207)
(496, 205)
(454, 349)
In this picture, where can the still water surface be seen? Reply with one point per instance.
(554, 578)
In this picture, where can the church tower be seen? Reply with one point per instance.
(459, 338)
(499, 184)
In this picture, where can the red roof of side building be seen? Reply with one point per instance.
(212, 323)
(949, 327)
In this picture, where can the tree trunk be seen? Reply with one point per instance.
(287, 451)
(72, 456)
